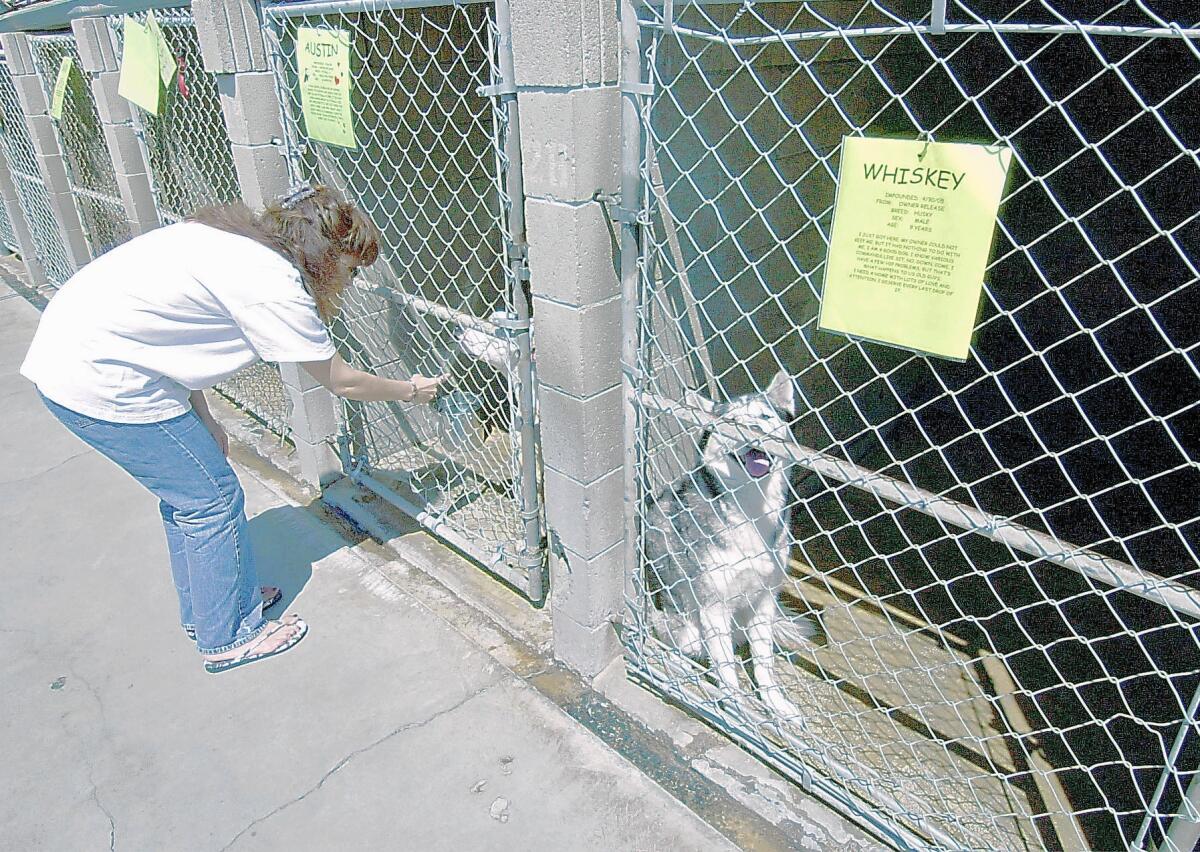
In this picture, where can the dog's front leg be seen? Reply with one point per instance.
(716, 632)
(761, 633)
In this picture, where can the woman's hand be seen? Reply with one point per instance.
(425, 389)
(345, 381)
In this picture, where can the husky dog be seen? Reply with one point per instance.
(717, 546)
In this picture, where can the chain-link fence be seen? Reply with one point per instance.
(191, 166)
(89, 167)
(433, 166)
(31, 188)
(967, 589)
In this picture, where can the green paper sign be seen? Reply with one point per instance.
(323, 68)
(912, 230)
(140, 82)
(166, 61)
(60, 87)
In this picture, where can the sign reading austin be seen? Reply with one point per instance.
(912, 230)
(323, 68)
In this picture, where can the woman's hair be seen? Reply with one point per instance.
(312, 228)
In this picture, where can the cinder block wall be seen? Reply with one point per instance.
(566, 58)
(100, 62)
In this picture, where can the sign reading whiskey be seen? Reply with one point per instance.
(912, 230)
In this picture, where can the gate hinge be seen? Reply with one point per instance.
(516, 251)
(494, 90)
(508, 323)
(637, 87)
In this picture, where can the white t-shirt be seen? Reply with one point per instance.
(181, 308)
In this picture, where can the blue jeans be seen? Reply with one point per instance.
(203, 511)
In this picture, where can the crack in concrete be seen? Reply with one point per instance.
(95, 796)
(407, 726)
(112, 823)
(44, 472)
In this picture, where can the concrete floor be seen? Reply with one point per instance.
(387, 728)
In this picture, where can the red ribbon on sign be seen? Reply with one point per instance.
(181, 63)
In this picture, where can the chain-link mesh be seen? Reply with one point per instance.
(429, 171)
(191, 166)
(89, 166)
(186, 144)
(31, 188)
(976, 552)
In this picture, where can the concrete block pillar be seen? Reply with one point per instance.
(35, 104)
(314, 423)
(100, 61)
(20, 227)
(566, 60)
(231, 45)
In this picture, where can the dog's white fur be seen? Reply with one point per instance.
(719, 540)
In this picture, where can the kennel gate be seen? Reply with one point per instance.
(437, 168)
(44, 227)
(187, 152)
(1004, 551)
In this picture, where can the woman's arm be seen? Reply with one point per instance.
(200, 406)
(343, 380)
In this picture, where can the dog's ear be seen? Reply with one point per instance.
(782, 393)
(695, 400)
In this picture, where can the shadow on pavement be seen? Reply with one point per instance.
(286, 543)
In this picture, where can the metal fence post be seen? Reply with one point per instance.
(51, 164)
(528, 489)
(570, 112)
(1184, 832)
(99, 60)
(630, 203)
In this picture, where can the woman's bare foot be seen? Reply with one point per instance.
(276, 636)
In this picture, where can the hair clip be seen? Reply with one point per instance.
(299, 192)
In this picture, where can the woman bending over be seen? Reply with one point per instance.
(126, 348)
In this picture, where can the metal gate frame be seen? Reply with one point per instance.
(44, 226)
(663, 669)
(101, 208)
(210, 177)
(520, 563)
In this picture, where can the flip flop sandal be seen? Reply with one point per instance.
(247, 657)
(267, 604)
